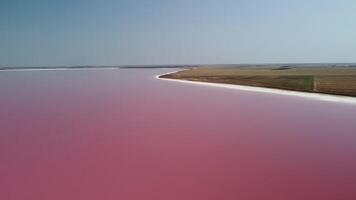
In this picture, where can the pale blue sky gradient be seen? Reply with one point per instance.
(108, 32)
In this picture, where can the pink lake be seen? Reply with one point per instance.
(122, 134)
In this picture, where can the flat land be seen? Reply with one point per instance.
(329, 80)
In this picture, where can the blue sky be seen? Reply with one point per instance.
(108, 32)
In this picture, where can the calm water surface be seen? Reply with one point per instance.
(122, 134)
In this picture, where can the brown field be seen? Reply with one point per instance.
(329, 80)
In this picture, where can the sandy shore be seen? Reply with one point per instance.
(314, 96)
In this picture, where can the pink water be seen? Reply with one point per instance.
(122, 134)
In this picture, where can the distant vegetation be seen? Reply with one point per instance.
(282, 68)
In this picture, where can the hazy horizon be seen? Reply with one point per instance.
(187, 65)
(106, 33)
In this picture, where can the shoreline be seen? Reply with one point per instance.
(55, 69)
(308, 95)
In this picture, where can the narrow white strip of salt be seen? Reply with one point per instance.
(315, 96)
(55, 69)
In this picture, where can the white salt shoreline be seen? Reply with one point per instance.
(55, 69)
(315, 96)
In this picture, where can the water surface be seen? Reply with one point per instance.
(122, 134)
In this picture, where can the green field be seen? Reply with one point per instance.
(329, 80)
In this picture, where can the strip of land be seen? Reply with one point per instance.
(323, 79)
(91, 67)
